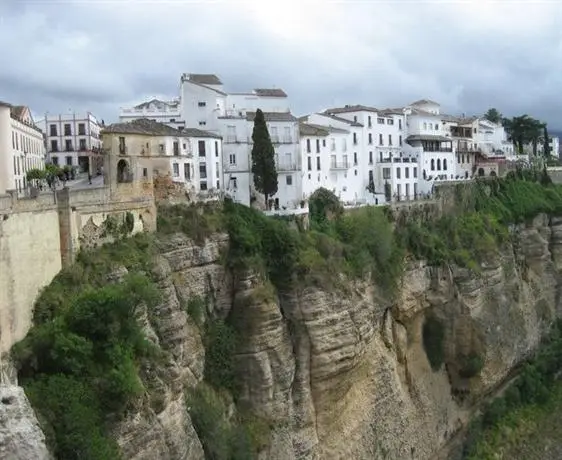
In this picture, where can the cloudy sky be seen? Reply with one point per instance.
(99, 55)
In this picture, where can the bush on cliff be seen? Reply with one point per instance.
(80, 365)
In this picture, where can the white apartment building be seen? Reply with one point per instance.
(191, 156)
(21, 147)
(73, 140)
(167, 112)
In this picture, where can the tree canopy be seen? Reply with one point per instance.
(263, 159)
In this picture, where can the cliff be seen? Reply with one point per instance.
(328, 363)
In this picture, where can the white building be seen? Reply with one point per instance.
(21, 147)
(191, 156)
(73, 140)
(167, 112)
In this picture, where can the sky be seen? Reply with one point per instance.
(100, 55)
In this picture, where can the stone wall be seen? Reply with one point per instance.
(39, 236)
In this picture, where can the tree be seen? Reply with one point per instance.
(546, 142)
(493, 115)
(263, 159)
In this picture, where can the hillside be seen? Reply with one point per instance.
(375, 333)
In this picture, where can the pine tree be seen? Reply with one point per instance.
(263, 159)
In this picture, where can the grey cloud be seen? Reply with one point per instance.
(100, 55)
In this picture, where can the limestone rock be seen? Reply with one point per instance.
(21, 437)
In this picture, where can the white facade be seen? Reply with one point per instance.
(167, 112)
(73, 140)
(21, 147)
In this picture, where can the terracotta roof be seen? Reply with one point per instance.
(270, 92)
(143, 126)
(17, 111)
(204, 78)
(343, 120)
(306, 129)
(272, 116)
(424, 101)
(351, 108)
(194, 132)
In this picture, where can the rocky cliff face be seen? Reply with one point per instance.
(345, 374)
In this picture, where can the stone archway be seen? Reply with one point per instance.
(493, 173)
(481, 171)
(123, 172)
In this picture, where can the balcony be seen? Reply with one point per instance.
(438, 149)
(344, 165)
(398, 160)
(286, 167)
(122, 150)
(232, 139)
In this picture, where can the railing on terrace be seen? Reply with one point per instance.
(442, 150)
(340, 165)
(399, 160)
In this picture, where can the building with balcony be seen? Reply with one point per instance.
(190, 156)
(21, 147)
(73, 140)
(167, 112)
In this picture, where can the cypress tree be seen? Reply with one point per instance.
(263, 159)
(546, 141)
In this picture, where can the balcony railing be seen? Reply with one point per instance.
(286, 167)
(398, 160)
(467, 150)
(122, 150)
(340, 165)
(441, 149)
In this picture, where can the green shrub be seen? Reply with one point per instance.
(220, 346)
(198, 221)
(433, 335)
(470, 365)
(196, 309)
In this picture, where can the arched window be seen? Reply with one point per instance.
(432, 164)
(123, 172)
(438, 164)
(424, 175)
(445, 164)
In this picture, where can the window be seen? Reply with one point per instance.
(397, 173)
(54, 146)
(390, 139)
(400, 141)
(187, 171)
(289, 180)
(287, 135)
(55, 160)
(234, 182)
(201, 147)
(308, 146)
(232, 159)
(370, 158)
(399, 123)
(430, 126)
(144, 172)
(53, 130)
(354, 138)
(67, 130)
(176, 149)
(333, 145)
(438, 164)
(370, 138)
(354, 158)
(82, 144)
(317, 145)
(68, 145)
(122, 147)
(386, 173)
(203, 171)
(81, 129)
(343, 145)
(201, 104)
(273, 134)
(407, 173)
(355, 118)
(323, 142)
(203, 185)
(216, 149)
(309, 163)
(172, 120)
(176, 169)
(318, 165)
(369, 124)
(380, 121)
(202, 123)
(415, 173)
(432, 164)
(390, 121)
(68, 161)
(380, 140)
(436, 126)
(425, 125)
(217, 167)
(445, 164)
